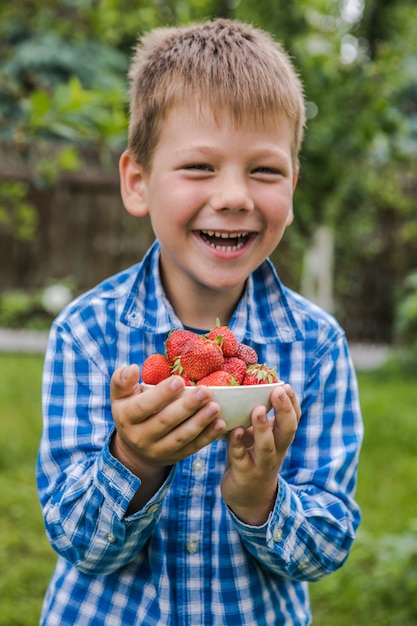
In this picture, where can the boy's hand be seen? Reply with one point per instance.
(159, 427)
(250, 482)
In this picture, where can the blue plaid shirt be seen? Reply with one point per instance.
(185, 559)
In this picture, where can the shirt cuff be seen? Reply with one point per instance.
(279, 532)
(119, 485)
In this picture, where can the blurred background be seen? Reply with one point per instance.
(63, 118)
(352, 247)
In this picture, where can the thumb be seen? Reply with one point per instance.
(124, 382)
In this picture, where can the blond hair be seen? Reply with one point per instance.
(222, 64)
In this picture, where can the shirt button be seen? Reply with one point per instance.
(198, 465)
(110, 538)
(304, 565)
(192, 547)
(153, 509)
(277, 536)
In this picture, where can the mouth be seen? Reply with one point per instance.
(226, 242)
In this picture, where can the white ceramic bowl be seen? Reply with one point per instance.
(238, 402)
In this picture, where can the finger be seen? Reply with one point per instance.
(264, 441)
(170, 403)
(286, 421)
(284, 399)
(153, 400)
(131, 405)
(236, 449)
(188, 443)
(191, 435)
(294, 400)
(124, 382)
(185, 419)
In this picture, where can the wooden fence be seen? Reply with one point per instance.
(83, 233)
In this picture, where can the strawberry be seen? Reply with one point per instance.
(219, 378)
(246, 353)
(175, 343)
(200, 357)
(225, 338)
(258, 374)
(155, 368)
(236, 367)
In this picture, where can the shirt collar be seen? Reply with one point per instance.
(263, 313)
(147, 306)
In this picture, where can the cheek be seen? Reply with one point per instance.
(280, 212)
(290, 218)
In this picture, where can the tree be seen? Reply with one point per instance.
(63, 87)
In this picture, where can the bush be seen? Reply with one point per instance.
(34, 310)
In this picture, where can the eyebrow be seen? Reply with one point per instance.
(212, 151)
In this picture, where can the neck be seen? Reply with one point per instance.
(201, 307)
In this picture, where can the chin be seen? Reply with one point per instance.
(224, 286)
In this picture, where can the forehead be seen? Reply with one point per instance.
(206, 114)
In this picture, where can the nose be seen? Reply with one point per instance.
(231, 192)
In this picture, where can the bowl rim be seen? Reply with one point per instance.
(278, 383)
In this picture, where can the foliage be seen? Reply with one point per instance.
(359, 156)
(17, 214)
(63, 84)
(34, 309)
(20, 309)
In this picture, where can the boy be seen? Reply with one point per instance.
(157, 520)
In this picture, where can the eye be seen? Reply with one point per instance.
(267, 170)
(201, 167)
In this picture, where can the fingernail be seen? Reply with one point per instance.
(176, 383)
(219, 425)
(201, 394)
(262, 417)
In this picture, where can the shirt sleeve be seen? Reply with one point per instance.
(84, 490)
(313, 524)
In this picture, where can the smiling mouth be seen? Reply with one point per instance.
(229, 242)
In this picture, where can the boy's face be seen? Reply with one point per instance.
(219, 197)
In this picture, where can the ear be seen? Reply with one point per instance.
(295, 178)
(290, 217)
(132, 186)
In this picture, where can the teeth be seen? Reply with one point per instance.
(222, 235)
(212, 237)
(228, 248)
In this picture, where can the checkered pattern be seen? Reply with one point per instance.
(185, 559)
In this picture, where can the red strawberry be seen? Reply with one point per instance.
(200, 358)
(258, 374)
(155, 368)
(175, 343)
(246, 353)
(219, 378)
(225, 338)
(236, 367)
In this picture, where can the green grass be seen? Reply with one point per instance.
(377, 586)
(26, 560)
(387, 486)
